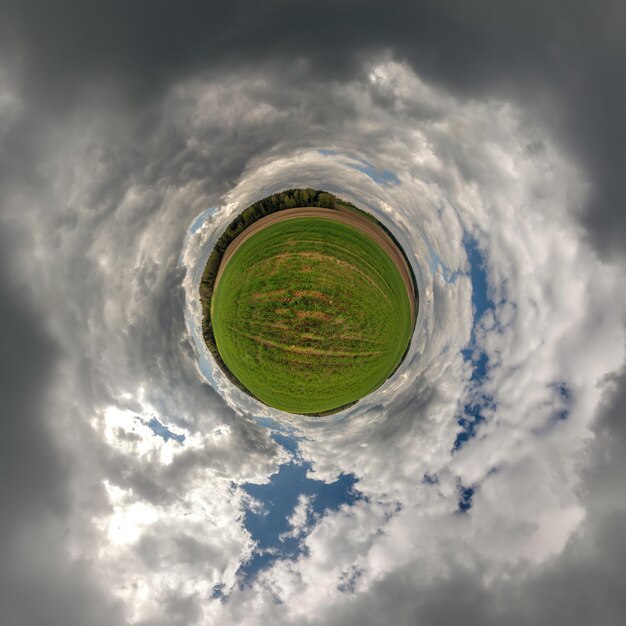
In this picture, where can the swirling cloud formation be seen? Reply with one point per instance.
(481, 482)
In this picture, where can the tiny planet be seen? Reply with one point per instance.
(309, 303)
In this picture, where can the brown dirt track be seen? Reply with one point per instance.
(343, 215)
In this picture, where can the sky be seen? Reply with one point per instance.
(483, 483)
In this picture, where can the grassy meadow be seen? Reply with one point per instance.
(310, 315)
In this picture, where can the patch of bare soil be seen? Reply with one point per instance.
(315, 315)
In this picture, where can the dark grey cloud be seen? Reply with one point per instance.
(567, 63)
(39, 582)
(28, 358)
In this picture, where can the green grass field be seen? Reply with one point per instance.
(311, 315)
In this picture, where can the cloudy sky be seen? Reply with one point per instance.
(484, 482)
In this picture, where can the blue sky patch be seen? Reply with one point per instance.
(466, 494)
(430, 479)
(385, 178)
(218, 591)
(561, 405)
(564, 394)
(473, 412)
(349, 578)
(197, 223)
(481, 301)
(162, 431)
(270, 528)
(435, 263)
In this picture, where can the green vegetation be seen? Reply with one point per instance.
(309, 314)
(291, 198)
